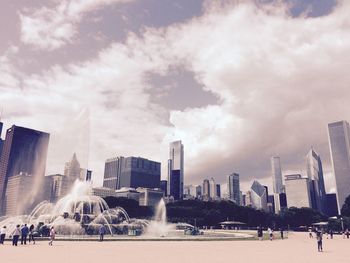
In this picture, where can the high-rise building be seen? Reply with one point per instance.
(113, 170)
(1, 141)
(218, 190)
(198, 191)
(206, 189)
(297, 191)
(212, 188)
(258, 196)
(331, 205)
(233, 188)
(276, 174)
(248, 198)
(315, 174)
(131, 172)
(164, 186)
(339, 145)
(24, 151)
(176, 170)
(72, 168)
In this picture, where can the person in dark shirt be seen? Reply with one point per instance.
(319, 241)
(24, 234)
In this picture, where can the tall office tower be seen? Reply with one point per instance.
(218, 190)
(276, 175)
(212, 188)
(176, 170)
(248, 198)
(113, 170)
(315, 175)
(198, 191)
(164, 186)
(1, 141)
(24, 150)
(206, 189)
(339, 145)
(331, 205)
(297, 191)
(72, 168)
(258, 196)
(233, 188)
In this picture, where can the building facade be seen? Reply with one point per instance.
(24, 151)
(297, 191)
(176, 170)
(112, 172)
(258, 196)
(339, 145)
(206, 189)
(277, 183)
(233, 188)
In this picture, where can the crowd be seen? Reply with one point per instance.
(23, 233)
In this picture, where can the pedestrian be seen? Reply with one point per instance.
(270, 233)
(24, 234)
(281, 230)
(260, 233)
(102, 232)
(31, 233)
(310, 233)
(319, 241)
(2, 234)
(347, 233)
(52, 235)
(15, 235)
(331, 233)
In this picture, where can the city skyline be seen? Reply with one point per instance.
(111, 85)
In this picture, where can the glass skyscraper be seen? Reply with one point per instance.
(276, 175)
(233, 188)
(339, 145)
(176, 170)
(24, 151)
(315, 174)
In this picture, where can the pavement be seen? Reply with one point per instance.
(298, 248)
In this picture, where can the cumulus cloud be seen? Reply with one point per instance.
(279, 79)
(50, 28)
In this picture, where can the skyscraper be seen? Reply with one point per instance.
(339, 145)
(258, 195)
(1, 141)
(276, 174)
(206, 189)
(315, 174)
(218, 190)
(297, 191)
(176, 170)
(212, 188)
(24, 151)
(131, 172)
(233, 188)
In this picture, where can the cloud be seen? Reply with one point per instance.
(279, 80)
(49, 28)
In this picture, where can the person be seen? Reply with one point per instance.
(310, 233)
(260, 233)
(102, 232)
(24, 234)
(331, 233)
(52, 235)
(15, 235)
(270, 233)
(2, 234)
(31, 233)
(319, 241)
(281, 230)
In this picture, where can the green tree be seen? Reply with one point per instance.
(345, 210)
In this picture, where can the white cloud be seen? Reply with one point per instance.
(51, 28)
(279, 79)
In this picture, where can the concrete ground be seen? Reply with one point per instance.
(297, 248)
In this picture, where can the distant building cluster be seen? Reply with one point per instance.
(23, 183)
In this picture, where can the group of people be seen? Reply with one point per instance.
(329, 233)
(270, 232)
(23, 232)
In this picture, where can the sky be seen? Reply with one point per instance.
(237, 81)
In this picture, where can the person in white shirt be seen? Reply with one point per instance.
(2, 234)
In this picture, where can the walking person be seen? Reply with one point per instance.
(15, 235)
(2, 234)
(331, 233)
(310, 233)
(281, 230)
(347, 233)
(52, 235)
(319, 241)
(31, 233)
(260, 233)
(102, 232)
(270, 233)
(24, 234)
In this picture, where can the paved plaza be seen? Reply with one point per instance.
(297, 248)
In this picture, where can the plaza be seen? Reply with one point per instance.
(297, 248)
